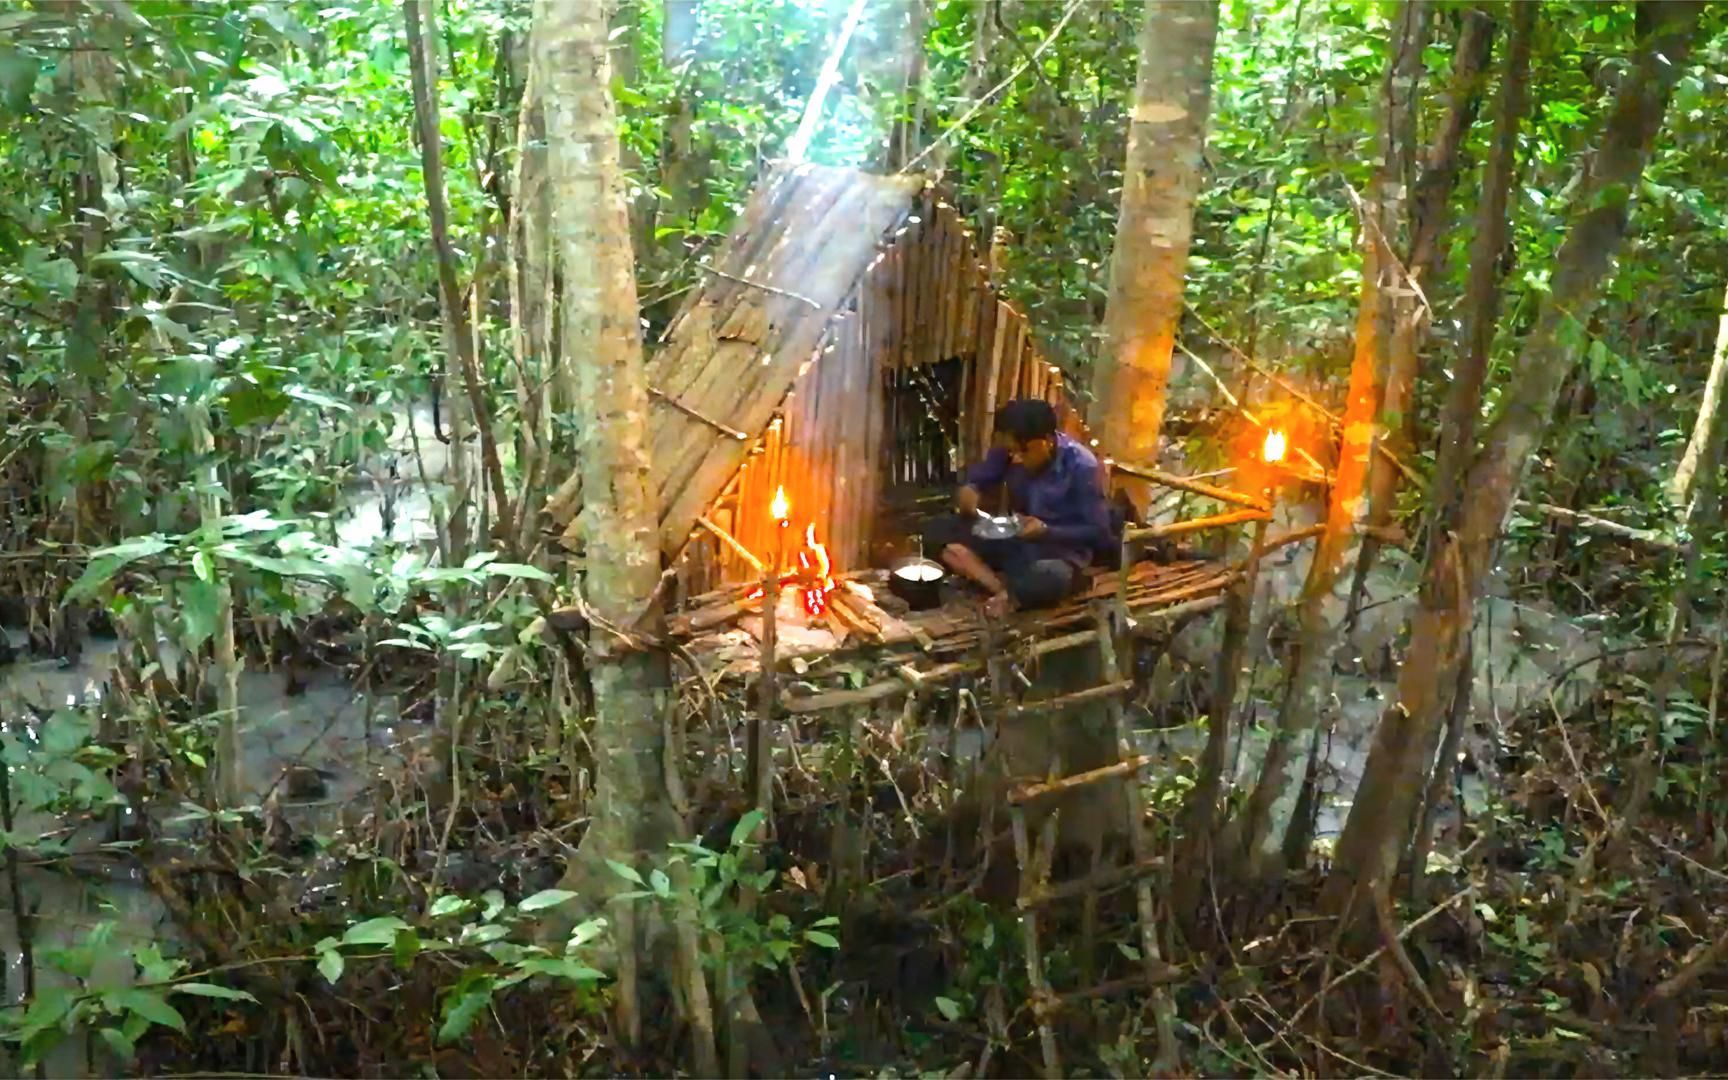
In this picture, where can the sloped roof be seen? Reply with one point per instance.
(735, 347)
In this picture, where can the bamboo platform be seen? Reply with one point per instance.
(900, 651)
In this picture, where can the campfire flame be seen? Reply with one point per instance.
(813, 573)
(813, 569)
(1273, 448)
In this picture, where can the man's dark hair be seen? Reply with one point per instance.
(1026, 419)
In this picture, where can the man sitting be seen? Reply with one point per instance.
(1056, 486)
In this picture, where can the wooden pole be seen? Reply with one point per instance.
(1182, 483)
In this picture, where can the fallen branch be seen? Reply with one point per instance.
(1592, 523)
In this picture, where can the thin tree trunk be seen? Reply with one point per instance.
(1325, 594)
(1172, 98)
(602, 345)
(1411, 316)
(1482, 292)
(1701, 507)
(530, 266)
(1709, 418)
(1379, 823)
(458, 335)
(230, 777)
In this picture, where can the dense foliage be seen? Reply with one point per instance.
(222, 335)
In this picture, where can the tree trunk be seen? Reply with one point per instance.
(1709, 418)
(458, 334)
(532, 306)
(1380, 817)
(1172, 97)
(1325, 593)
(1411, 316)
(602, 346)
(1482, 293)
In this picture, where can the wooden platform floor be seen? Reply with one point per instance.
(914, 650)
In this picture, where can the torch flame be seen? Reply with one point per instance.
(1273, 449)
(781, 507)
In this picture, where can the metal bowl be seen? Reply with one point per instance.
(997, 528)
(918, 582)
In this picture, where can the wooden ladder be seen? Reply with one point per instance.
(1035, 889)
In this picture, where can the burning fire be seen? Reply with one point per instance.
(813, 570)
(1273, 448)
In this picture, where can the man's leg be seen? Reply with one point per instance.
(971, 566)
(1042, 583)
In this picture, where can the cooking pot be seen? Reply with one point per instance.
(918, 582)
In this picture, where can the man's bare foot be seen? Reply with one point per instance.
(998, 605)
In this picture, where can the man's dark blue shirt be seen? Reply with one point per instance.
(1067, 496)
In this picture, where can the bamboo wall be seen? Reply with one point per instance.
(847, 430)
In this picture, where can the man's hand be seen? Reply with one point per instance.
(1031, 528)
(967, 499)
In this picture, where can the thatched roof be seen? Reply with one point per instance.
(735, 347)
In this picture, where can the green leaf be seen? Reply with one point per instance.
(379, 931)
(584, 933)
(628, 873)
(143, 267)
(405, 948)
(448, 904)
(660, 883)
(200, 603)
(106, 562)
(18, 71)
(330, 965)
(831, 920)
(546, 898)
(949, 1008)
(822, 938)
(459, 1015)
(211, 990)
(202, 566)
(249, 404)
(147, 1004)
(746, 827)
(561, 968)
(123, 1048)
(520, 570)
(313, 397)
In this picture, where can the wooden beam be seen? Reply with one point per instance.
(1068, 783)
(1182, 483)
(660, 395)
(1071, 701)
(1177, 528)
(732, 542)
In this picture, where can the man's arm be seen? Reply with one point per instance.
(989, 472)
(1085, 521)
